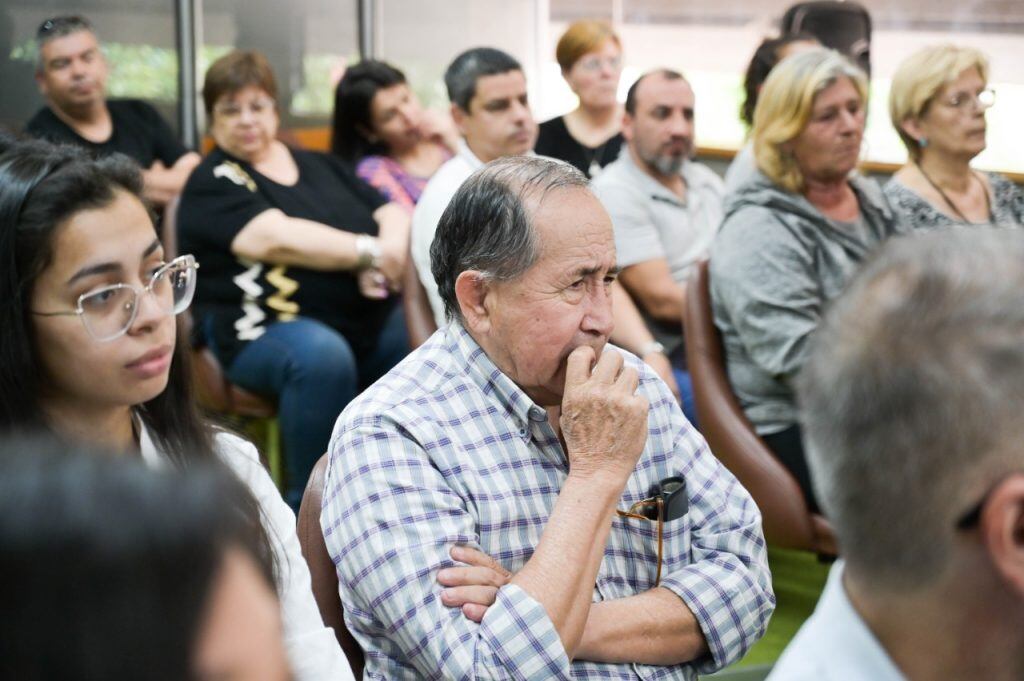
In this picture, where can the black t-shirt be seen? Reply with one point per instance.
(138, 132)
(554, 140)
(237, 299)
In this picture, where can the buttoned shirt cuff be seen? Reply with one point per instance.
(730, 617)
(519, 632)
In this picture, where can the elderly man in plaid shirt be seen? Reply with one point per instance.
(519, 499)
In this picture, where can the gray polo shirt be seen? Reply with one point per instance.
(651, 222)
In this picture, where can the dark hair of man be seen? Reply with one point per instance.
(108, 565)
(487, 227)
(58, 27)
(41, 187)
(234, 72)
(911, 399)
(667, 74)
(462, 74)
(766, 56)
(353, 99)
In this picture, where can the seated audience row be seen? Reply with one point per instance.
(510, 445)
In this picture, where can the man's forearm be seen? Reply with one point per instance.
(562, 572)
(654, 627)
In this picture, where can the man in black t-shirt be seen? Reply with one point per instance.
(72, 75)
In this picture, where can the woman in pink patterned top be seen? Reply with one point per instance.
(380, 127)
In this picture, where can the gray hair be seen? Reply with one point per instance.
(58, 27)
(486, 226)
(912, 398)
(461, 76)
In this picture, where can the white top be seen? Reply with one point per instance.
(312, 648)
(435, 198)
(835, 644)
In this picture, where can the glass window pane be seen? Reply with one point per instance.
(422, 38)
(308, 43)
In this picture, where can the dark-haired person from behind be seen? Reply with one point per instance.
(71, 73)
(90, 349)
(380, 128)
(113, 570)
(301, 261)
(769, 53)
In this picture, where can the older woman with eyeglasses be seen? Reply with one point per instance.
(792, 238)
(937, 102)
(590, 136)
(300, 260)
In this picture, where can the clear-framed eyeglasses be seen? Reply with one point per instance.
(966, 100)
(109, 312)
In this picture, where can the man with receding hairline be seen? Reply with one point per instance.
(521, 499)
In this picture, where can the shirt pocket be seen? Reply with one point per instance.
(633, 553)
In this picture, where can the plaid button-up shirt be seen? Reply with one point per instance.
(447, 450)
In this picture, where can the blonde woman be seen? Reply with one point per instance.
(792, 238)
(937, 102)
(590, 136)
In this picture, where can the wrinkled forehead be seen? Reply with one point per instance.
(571, 221)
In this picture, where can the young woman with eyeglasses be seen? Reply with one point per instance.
(938, 101)
(88, 348)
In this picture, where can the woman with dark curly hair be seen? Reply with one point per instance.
(769, 53)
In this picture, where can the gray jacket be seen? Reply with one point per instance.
(774, 265)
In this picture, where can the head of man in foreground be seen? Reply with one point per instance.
(912, 398)
(532, 287)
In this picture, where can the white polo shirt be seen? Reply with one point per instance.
(435, 198)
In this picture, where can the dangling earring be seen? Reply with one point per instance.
(922, 142)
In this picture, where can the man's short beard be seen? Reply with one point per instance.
(667, 164)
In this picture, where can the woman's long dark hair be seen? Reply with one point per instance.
(352, 99)
(766, 56)
(42, 186)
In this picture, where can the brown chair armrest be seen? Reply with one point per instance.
(419, 317)
(321, 568)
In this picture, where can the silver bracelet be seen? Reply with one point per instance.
(367, 252)
(653, 346)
